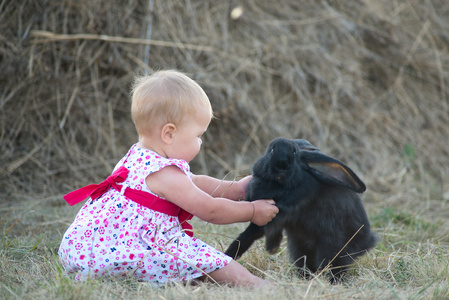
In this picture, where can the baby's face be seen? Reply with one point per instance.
(187, 142)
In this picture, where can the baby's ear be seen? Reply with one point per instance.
(167, 133)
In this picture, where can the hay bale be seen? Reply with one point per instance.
(364, 81)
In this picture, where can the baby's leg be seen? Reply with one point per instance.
(236, 274)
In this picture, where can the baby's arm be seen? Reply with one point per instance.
(172, 184)
(234, 190)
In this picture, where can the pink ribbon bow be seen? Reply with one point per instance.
(96, 190)
(144, 198)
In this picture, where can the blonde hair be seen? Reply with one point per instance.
(165, 97)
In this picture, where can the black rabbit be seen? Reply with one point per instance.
(319, 208)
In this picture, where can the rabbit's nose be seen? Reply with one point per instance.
(282, 164)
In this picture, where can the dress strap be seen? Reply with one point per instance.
(143, 198)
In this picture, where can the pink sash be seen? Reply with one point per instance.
(143, 198)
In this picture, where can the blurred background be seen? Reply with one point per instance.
(366, 81)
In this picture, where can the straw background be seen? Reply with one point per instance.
(365, 82)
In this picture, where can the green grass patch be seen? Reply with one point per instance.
(407, 263)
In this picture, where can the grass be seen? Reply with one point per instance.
(408, 263)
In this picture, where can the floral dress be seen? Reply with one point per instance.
(114, 235)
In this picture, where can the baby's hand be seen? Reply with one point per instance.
(264, 211)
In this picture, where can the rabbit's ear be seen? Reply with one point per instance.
(305, 145)
(332, 171)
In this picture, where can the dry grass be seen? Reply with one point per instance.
(366, 81)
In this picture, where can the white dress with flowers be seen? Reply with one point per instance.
(114, 235)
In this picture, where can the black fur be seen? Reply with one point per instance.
(319, 208)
